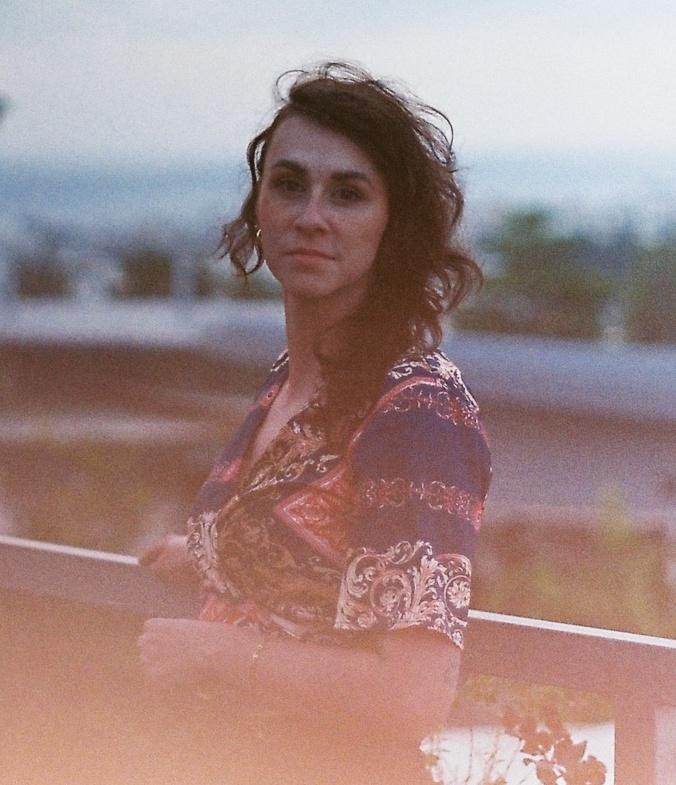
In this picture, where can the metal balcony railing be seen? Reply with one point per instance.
(637, 671)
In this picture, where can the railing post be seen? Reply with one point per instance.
(665, 745)
(645, 742)
(635, 742)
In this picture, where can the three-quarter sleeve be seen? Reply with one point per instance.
(421, 470)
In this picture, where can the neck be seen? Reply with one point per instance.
(305, 321)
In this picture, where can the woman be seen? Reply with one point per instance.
(334, 535)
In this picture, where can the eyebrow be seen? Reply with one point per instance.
(339, 176)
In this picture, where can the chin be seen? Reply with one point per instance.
(314, 290)
(308, 290)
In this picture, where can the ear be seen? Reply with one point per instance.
(255, 193)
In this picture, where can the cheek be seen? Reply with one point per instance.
(380, 220)
(268, 224)
(374, 233)
(367, 245)
(368, 225)
(266, 210)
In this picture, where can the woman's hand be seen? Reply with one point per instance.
(184, 651)
(168, 558)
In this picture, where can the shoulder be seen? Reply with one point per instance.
(429, 365)
(428, 382)
(425, 427)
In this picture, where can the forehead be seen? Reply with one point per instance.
(317, 148)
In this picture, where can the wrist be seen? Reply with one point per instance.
(253, 674)
(231, 654)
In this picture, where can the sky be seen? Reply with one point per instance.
(144, 80)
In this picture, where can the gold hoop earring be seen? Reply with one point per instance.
(258, 246)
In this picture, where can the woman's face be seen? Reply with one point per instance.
(322, 209)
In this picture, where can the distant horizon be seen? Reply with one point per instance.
(594, 193)
(465, 155)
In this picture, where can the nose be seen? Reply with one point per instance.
(311, 214)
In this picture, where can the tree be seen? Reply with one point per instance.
(147, 273)
(547, 285)
(40, 267)
(651, 296)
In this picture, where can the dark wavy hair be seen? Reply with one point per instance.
(421, 269)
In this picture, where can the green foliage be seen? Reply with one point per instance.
(546, 744)
(651, 296)
(92, 495)
(150, 270)
(499, 693)
(547, 285)
(556, 284)
(535, 716)
(40, 271)
(147, 273)
(41, 278)
(609, 573)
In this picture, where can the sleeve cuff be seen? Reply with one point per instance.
(404, 586)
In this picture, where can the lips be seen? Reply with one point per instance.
(309, 253)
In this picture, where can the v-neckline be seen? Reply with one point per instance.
(247, 467)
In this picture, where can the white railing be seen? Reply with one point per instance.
(637, 671)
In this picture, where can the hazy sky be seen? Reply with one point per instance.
(144, 79)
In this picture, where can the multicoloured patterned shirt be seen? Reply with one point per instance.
(379, 535)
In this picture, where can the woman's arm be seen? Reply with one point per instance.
(403, 690)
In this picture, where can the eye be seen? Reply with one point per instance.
(348, 194)
(287, 184)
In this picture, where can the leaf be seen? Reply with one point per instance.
(537, 743)
(553, 721)
(592, 771)
(579, 750)
(430, 759)
(568, 754)
(546, 773)
(528, 726)
(529, 745)
(544, 740)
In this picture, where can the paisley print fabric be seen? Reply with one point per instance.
(406, 586)
(329, 544)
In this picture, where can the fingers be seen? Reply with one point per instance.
(167, 558)
(148, 556)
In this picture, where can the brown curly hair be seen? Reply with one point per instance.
(421, 269)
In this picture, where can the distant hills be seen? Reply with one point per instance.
(595, 193)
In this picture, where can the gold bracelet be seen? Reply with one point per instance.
(253, 665)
